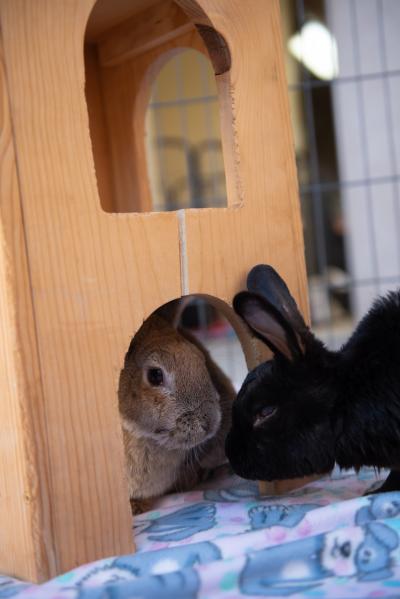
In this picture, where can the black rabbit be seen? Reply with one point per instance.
(309, 407)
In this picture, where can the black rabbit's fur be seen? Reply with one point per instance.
(341, 407)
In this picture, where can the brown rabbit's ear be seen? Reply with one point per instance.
(268, 324)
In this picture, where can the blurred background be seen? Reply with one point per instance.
(343, 73)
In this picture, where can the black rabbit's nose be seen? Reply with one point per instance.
(345, 549)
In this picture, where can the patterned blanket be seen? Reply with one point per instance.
(223, 541)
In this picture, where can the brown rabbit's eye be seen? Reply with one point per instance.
(264, 414)
(155, 376)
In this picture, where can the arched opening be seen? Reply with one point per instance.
(176, 388)
(213, 329)
(153, 107)
(183, 139)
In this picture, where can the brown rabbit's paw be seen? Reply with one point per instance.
(138, 506)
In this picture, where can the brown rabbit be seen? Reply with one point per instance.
(175, 406)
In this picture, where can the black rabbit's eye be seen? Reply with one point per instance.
(264, 414)
(155, 376)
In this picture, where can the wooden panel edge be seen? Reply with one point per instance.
(27, 545)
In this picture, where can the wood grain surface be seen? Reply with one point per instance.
(77, 282)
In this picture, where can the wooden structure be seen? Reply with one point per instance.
(78, 275)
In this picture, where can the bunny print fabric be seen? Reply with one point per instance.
(223, 541)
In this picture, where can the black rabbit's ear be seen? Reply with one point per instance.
(268, 324)
(265, 281)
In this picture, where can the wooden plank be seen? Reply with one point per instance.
(263, 220)
(98, 129)
(282, 487)
(153, 27)
(25, 515)
(94, 277)
(262, 223)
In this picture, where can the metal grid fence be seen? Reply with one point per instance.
(359, 172)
